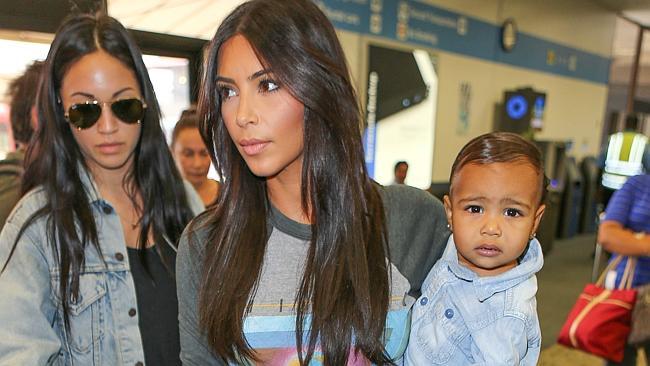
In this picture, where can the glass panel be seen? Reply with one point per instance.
(642, 94)
(401, 115)
(623, 51)
(170, 79)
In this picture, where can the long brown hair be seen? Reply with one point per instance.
(345, 285)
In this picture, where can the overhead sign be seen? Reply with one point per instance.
(419, 23)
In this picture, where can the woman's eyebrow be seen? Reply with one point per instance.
(253, 76)
(87, 95)
(122, 91)
(257, 74)
(225, 80)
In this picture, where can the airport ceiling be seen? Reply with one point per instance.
(637, 11)
(189, 18)
(200, 18)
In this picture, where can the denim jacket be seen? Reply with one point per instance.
(464, 319)
(103, 320)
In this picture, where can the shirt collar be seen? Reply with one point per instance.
(486, 287)
(286, 225)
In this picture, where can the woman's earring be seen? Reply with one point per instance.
(449, 228)
(532, 236)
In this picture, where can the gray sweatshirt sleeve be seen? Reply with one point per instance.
(194, 349)
(417, 231)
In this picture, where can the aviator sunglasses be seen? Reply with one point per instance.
(85, 115)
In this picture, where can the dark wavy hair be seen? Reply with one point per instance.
(345, 285)
(501, 147)
(22, 92)
(55, 163)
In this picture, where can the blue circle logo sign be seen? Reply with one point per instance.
(516, 107)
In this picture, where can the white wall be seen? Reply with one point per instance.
(575, 108)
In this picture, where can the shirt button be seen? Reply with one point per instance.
(139, 363)
(424, 301)
(107, 209)
(449, 313)
(132, 312)
(119, 256)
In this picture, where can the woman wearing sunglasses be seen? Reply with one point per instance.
(88, 253)
(303, 258)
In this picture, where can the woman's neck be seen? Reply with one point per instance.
(207, 190)
(202, 186)
(110, 181)
(111, 187)
(284, 192)
(126, 202)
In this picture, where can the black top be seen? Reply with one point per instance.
(155, 290)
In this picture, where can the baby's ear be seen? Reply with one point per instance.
(538, 216)
(447, 202)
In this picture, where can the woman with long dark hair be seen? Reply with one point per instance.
(88, 254)
(303, 258)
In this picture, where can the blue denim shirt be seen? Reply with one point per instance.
(464, 319)
(103, 320)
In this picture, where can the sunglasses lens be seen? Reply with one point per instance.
(84, 115)
(128, 110)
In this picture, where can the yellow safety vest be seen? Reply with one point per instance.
(624, 158)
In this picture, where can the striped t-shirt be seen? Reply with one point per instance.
(630, 206)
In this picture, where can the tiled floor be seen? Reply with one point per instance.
(557, 355)
(567, 268)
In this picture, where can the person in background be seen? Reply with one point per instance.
(626, 231)
(478, 302)
(627, 154)
(88, 254)
(303, 259)
(192, 157)
(22, 92)
(401, 169)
